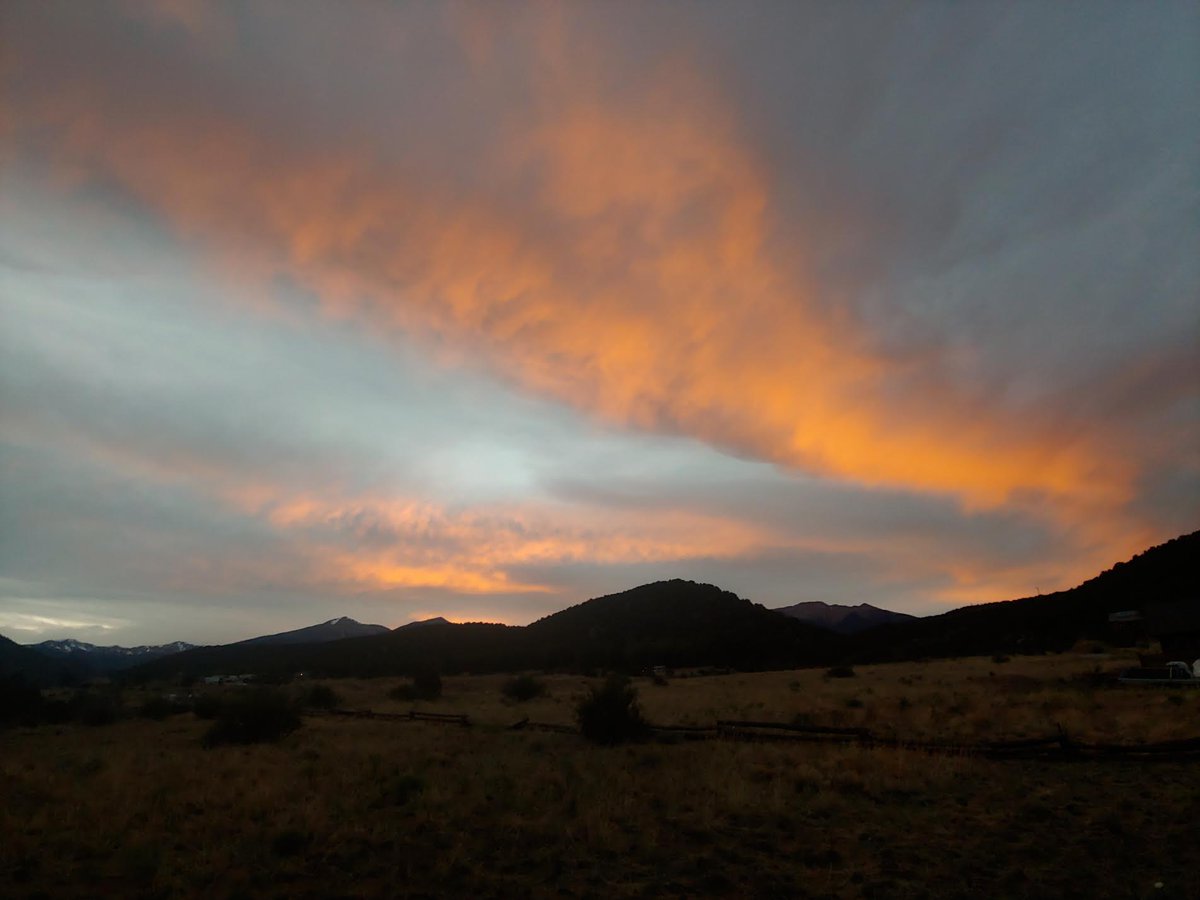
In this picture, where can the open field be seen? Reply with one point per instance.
(347, 807)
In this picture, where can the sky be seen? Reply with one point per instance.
(398, 310)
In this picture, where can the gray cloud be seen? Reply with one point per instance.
(992, 206)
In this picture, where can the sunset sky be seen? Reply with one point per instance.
(414, 309)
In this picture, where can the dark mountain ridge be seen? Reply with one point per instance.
(675, 623)
(95, 659)
(26, 664)
(840, 618)
(681, 623)
(1165, 574)
(334, 630)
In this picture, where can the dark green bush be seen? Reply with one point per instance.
(290, 842)
(523, 687)
(424, 686)
(92, 708)
(158, 707)
(20, 701)
(252, 716)
(840, 672)
(400, 789)
(321, 696)
(609, 713)
(207, 706)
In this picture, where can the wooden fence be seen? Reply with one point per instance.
(411, 716)
(1059, 746)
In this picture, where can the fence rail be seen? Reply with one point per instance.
(1059, 746)
(410, 716)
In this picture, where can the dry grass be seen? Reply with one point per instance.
(962, 699)
(377, 808)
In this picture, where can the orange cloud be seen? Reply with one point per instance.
(622, 257)
(380, 543)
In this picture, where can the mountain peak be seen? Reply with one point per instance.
(331, 630)
(843, 619)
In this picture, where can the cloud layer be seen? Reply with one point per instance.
(446, 303)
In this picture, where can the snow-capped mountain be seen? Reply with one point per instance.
(333, 630)
(107, 659)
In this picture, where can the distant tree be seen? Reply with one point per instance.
(158, 707)
(20, 701)
(95, 707)
(252, 716)
(609, 713)
(426, 685)
(321, 696)
(206, 706)
(523, 687)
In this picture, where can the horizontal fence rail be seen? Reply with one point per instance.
(410, 716)
(1053, 747)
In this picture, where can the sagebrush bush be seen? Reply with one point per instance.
(95, 708)
(158, 707)
(321, 696)
(20, 701)
(523, 687)
(206, 706)
(290, 842)
(609, 713)
(399, 790)
(252, 716)
(424, 686)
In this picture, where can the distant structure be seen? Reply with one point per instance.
(1176, 626)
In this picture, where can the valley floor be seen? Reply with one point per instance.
(349, 807)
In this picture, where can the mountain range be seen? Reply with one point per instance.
(842, 619)
(674, 623)
(94, 659)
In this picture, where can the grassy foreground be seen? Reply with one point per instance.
(346, 807)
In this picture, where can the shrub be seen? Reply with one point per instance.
(427, 685)
(609, 713)
(424, 686)
(253, 716)
(840, 672)
(20, 702)
(290, 842)
(207, 706)
(158, 707)
(321, 696)
(999, 659)
(399, 790)
(95, 709)
(523, 687)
